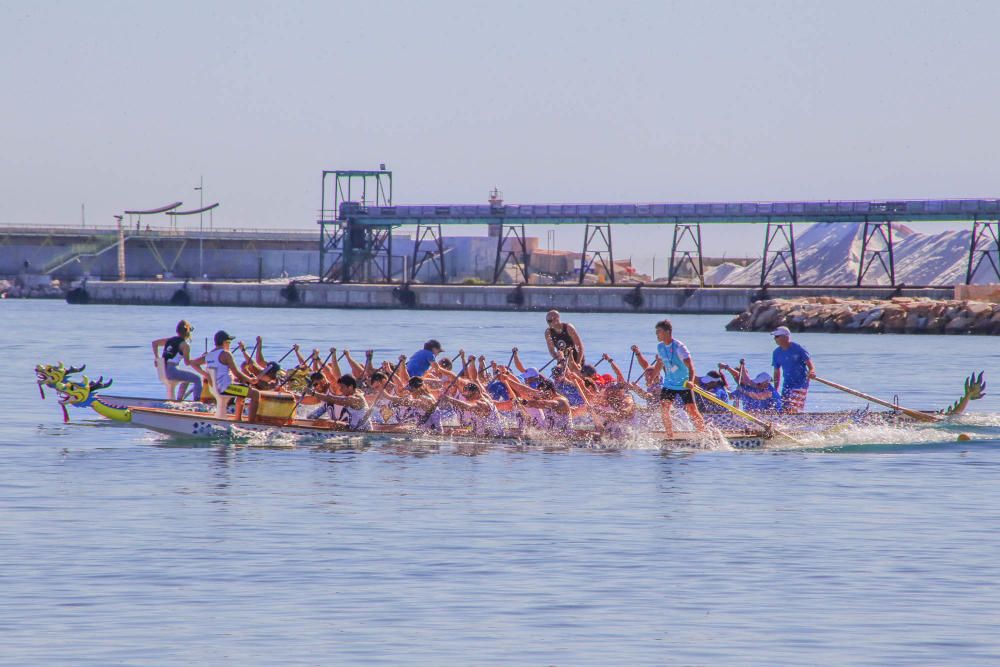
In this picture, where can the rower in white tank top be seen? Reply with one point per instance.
(223, 378)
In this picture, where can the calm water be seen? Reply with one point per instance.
(122, 547)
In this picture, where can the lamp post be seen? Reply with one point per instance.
(201, 227)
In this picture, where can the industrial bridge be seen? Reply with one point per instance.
(356, 238)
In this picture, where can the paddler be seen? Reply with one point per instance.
(417, 406)
(353, 401)
(793, 369)
(220, 362)
(714, 383)
(673, 358)
(755, 394)
(560, 336)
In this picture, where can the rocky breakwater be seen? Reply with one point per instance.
(30, 289)
(898, 315)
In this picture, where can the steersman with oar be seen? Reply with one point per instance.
(793, 366)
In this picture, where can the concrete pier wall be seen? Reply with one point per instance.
(461, 297)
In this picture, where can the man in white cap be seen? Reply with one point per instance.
(792, 364)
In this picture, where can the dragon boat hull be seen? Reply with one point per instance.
(195, 425)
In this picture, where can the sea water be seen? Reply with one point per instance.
(121, 547)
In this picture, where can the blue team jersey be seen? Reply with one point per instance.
(419, 363)
(792, 362)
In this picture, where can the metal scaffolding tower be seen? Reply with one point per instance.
(512, 248)
(679, 255)
(985, 245)
(773, 247)
(876, 244)
(603, 254)
(348, 251)
(435, 254)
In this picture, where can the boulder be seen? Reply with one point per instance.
(765, 319)
(875, 326)
(856, 322)
(958, 325)
(894, 318)
(872, 316)
(915, 322)
(934, 325)
(977, 308)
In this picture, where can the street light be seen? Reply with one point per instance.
(201, 227)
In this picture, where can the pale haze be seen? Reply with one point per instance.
(120, 105)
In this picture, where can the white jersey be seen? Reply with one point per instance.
(223, 376)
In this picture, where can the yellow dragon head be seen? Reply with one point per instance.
(80, 394)
(83, 394)
(48, 375)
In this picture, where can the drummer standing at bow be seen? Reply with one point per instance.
(561, 336)
(792, 364)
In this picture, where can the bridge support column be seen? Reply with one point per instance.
(985, 245)
(367, 253)
(690, 233)
(435, 254)
(331, 252)
(785, 255)
(602, 253)
(879, 248)
(515, 252)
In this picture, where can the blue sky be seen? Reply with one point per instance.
(126, 104)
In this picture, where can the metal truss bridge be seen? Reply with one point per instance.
(356, 241)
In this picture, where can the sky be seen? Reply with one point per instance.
(119, 105)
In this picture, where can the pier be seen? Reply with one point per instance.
(358, 216)
(604, 299)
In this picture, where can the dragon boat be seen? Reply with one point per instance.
(277, 413)
(276, 410)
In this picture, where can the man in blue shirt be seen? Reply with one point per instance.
(791, 363)
(673, 358)
(420, 360)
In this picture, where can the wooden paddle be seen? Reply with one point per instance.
(916, 414)
(740, 413)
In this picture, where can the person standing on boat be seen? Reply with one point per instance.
(561, 336)
(420, 361)
(674, 360)
(175, 349)
(794, 367)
